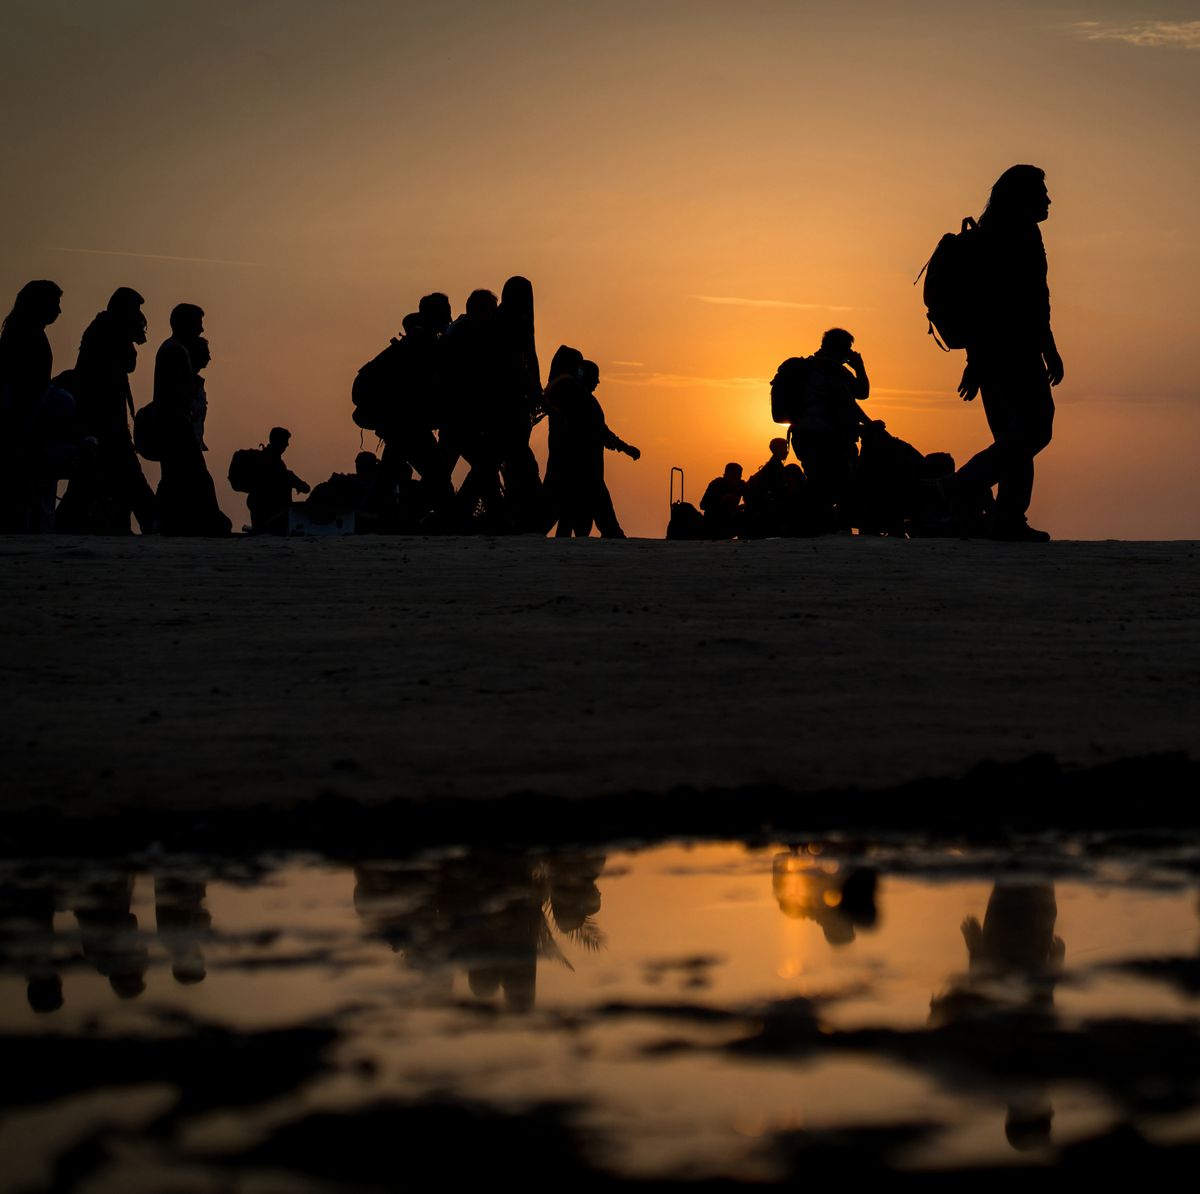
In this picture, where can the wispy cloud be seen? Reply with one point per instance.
(153, 256)
(1179, 35)
(629, 364)
(680, 381)
(728, 301)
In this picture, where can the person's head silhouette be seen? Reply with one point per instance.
(1018, 196)
(38, 304)
(187, 321)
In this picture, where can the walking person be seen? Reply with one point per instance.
(100, 499)
(187, 499)
(26, 364)
(1012, 358)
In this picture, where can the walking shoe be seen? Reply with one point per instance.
(1018, 532)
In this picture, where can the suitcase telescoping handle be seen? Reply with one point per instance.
(671, 492)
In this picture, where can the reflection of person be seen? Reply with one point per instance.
(109, 936)
(27, 940)
(840, 904)
(486, 913)
(184, 924)
(1014, 958)
(1012, 358)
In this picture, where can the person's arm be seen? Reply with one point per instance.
(1050, 354)
(298, 485)
(860, 387)
(614, 443)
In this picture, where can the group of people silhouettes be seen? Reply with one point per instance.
(75, 425)
(469, 389)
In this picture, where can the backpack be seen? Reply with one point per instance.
(375, 387)
(148, 432)
(949, 291)
(245, 468)
(787, 389)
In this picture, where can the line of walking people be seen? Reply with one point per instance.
(76, 425)
(470, 389)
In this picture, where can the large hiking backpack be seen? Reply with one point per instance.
(787, 389)
(375, 388)
(950, 291)
(245, 468)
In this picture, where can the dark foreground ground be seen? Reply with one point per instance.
(154, 682)
(182, 719)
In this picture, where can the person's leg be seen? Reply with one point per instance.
(1020, 414)
(606, 515)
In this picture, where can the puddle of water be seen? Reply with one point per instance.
(688, 1012)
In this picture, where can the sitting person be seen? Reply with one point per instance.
(766, 492)
(722, 504)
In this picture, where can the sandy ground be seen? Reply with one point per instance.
(208, 674)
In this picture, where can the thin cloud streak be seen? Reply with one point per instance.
(1179, 35)
(155, 257)
(683, 380)
(727, 301)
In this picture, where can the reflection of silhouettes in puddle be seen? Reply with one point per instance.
(27, 944)
(486, 913)
(109, 937)
(184, 924)
(1014, 962)
(840, 903)
(1012, 359)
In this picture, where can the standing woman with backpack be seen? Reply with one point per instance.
(26, 363)
(1012, 359)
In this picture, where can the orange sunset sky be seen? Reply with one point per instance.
(696, 190)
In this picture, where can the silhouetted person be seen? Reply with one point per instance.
(766, 493)
(484, 427)
(101, 500)
(826, 424)
(579, 437)
(187, 499)
(369, 492)
(412, 370)
(519, 404)
(722, 503)
(271, 496)
(26, 365)
(1012, 359)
